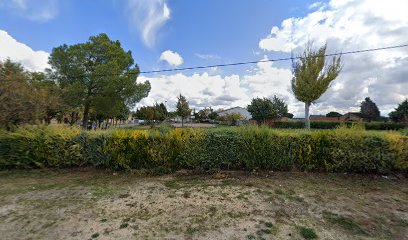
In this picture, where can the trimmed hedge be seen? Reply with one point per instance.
(244, 148)
(333, 125)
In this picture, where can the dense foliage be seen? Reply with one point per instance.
(247, 148)
(312, 76)
(157, 112)
(26, 97)
(262, 109)
(99, 76)
(333, 125)
(183, 109)
(400, 114)
(369, 110)
(333, 114)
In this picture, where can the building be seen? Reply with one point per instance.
(323, 118)
(352, 117)
(244, 113)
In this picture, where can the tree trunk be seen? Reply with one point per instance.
(86, 115)
(307, 115)
(182, 122)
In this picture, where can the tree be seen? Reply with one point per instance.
(233, 118)
(161, 108)
(213, 115)
(289, 115)
(204, 114)
(48, 96)
(147, 113)
(183, 110)
(312, 76)
(333, 114)
(262, 109)
(97, 74)
(158, 112)
(369, 110)
(18, 101)
(400, 114)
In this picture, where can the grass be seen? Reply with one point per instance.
(308, 233)
(344, 222)
(124, 225)
(95, 235)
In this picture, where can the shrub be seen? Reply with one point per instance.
(244, 148)
(333, 125)
(308, 233)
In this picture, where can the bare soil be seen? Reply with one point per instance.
(90, 204)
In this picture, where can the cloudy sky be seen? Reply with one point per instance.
(183, 33)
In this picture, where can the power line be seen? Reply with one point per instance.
(239, 63)
(270, 60)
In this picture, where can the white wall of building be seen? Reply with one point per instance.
(244, 113)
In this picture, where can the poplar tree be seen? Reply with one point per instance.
(312, 76)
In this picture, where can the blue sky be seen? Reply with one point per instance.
(181, 33)
(229, 30)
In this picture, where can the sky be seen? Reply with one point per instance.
(165, 34)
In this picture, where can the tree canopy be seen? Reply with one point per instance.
(400, 114)
(334, 114)
(158, 112)
(183, 109)
(262, 109)
(369, 110)
(98, 74)
(312, 76)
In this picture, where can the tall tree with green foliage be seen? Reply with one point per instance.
(18, 100)
(213, 114)
(312, 76)
(157, 112)
(98, 73)
(400, 114)
(262, 109)
(369, 110)
(183, 109)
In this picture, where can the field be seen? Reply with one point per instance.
(88, 203)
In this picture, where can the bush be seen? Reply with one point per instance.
(243, 148)
(333, 125)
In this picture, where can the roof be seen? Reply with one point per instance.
(230, 109)
(358, 114)
(317, 116)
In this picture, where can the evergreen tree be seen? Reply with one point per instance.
(400, 114)
(369, 110)
(97, 74)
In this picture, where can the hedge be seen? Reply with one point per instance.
(333, 125)
(241, 148)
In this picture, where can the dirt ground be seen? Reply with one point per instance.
(89, 204)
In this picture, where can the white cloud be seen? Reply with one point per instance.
(207, 56)
(35, 10)
(172, 58)
(352, 25)
(148, 16)
(204, 90)
(16, 51)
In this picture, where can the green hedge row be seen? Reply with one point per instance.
(333, 125)
(244, 148)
